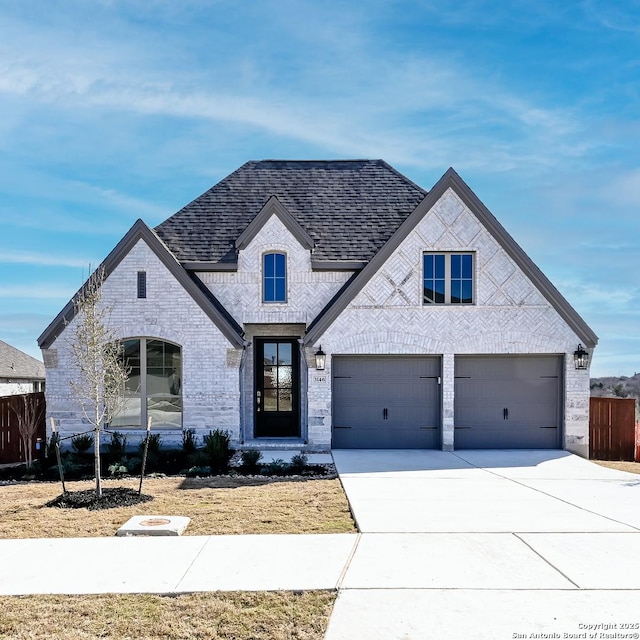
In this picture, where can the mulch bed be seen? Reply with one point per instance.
(110, 499)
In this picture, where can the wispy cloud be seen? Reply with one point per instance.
(43, 259)
(36, 292)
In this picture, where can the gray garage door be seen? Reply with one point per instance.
(386, 402)
(508, 402)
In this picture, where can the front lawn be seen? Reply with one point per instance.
(216, 505)
(194, 616)
(620, 465)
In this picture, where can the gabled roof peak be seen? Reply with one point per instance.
(274, 207)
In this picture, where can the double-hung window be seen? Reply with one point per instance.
(448, 278)
(274, 277)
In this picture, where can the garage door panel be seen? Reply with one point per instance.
(386, 438)
(507, 402)
(386, 402)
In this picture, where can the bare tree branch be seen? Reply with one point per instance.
(96, 354)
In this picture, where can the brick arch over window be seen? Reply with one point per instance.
(154, 387)
(274, 276)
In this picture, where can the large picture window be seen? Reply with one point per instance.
(274, 277)
(154, 386)
(448, 278)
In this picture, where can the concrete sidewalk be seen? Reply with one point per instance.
(173, 564)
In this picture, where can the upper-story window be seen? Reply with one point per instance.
(448, 278)
(274, 277)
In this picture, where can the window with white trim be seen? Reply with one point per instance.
(448, 278)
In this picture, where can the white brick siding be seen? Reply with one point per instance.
(510, 317)
(211, 396)
(308, 291)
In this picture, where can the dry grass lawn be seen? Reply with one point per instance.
(632, 467)
(199, 616)
(218, 505)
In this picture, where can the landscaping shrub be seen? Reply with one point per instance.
(116, 447)
(155, 442)
(277, 467)
(299, 462)
(218, 450)
(250, 459)
(81, 443)
(189, 441)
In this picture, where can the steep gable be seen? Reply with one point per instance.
(511, 276)
(205, 299)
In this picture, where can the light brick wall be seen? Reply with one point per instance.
(510, 317)
(210, 386)
(308, 291)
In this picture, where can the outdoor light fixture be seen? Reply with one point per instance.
(581, 358)
(321, 358)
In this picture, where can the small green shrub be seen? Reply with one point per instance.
(189, 441)
(50, 454)
(82, 442)
(118, 469)
(250, 459)
(192, 472)
(217, 447)
(198, 459)
(277, 467)
(299, 462)
(155, 442)
(117, 447)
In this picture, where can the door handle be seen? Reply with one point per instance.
(505, 414)
(385, 413)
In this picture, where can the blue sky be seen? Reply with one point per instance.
(115, 110)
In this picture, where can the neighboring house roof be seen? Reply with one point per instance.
(16, 364)
(348, 208)
(205, 299)
(452, 180)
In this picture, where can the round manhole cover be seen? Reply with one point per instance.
(154, 522)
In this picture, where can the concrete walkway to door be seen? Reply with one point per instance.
(488, 544)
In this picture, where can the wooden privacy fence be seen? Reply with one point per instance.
(612, 429)
(11, 445)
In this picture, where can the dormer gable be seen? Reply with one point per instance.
(274, 207)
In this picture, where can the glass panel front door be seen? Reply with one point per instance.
(277, 384)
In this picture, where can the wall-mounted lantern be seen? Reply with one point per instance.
(581, 358)
(321, 359)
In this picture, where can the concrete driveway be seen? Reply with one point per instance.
(488, 544)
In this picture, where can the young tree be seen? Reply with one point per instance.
(96, 354)
(28, 415)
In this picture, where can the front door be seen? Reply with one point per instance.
(277, 388)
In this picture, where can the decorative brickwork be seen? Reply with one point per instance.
(308, 291)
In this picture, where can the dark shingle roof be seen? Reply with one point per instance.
(350, 208)
(16, 364)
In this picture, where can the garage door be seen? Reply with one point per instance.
(386, 402)
(508, 402)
